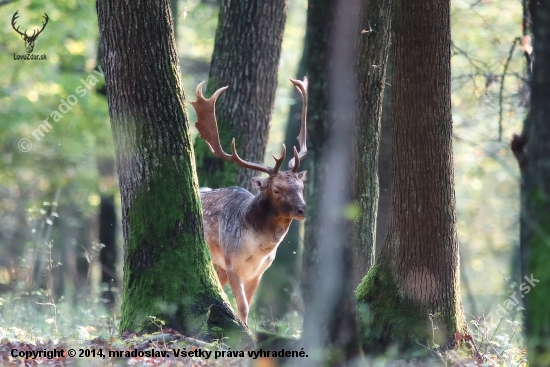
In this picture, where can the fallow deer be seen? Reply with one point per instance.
(243, 230)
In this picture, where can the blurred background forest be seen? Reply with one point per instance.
(52, 194)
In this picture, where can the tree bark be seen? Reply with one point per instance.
(245, 58)
(330, 327)
(413, 292)
(167, 268)
(373, 55)
(532, 150)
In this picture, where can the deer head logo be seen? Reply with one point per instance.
(29, 40)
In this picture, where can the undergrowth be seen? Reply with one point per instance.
(26, 324)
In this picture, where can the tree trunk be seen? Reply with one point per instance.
(532, 150)
(167, 268)
(277, 297)
(319, 23)
(108, 254)
(245, 58)
(330, 329)
(413, 292)
(373, 55)
(107, 231)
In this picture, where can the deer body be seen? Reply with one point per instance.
(232, 228)
(243, 231)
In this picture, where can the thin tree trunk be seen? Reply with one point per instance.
(107, 231)
(108, 254)
(245, 58)
(330, 328)
(373, 55)
(319, 23)
(413, 290)
(175, 14)
(167, 268)
(274, 298)
(532, 150)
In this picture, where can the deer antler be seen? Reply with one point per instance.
(25, 35)
(13, 19)
(208, 129)
(294, 163)
(36, 33)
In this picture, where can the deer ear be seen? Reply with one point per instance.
(302, 176)
(259, 183)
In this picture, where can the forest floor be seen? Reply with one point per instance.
(34, 331)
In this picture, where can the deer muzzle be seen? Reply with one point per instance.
(300, 211)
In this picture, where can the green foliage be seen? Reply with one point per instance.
(65, 156)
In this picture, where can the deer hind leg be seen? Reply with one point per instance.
(222, 275)
(237, 287)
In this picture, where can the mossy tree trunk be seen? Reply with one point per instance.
(374, 44)
(330, 329)
(245, 58)
(532, 149)
(412, 292)
(167, 267)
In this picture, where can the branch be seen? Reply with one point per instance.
(501, 92)
(4, 2)
(471, 60)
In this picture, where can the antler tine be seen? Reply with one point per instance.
(208, 129)
(294, 163)
(279, 161)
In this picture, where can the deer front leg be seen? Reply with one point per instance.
(250, 288)
(237, 287)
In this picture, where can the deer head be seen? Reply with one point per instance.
(284, 189)
(29, 40)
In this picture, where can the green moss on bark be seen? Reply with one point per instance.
(386, 319)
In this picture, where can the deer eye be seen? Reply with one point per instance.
(276, 192)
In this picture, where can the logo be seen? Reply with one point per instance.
(29, 40)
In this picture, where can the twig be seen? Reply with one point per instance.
(501, 92)
(471, 60)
